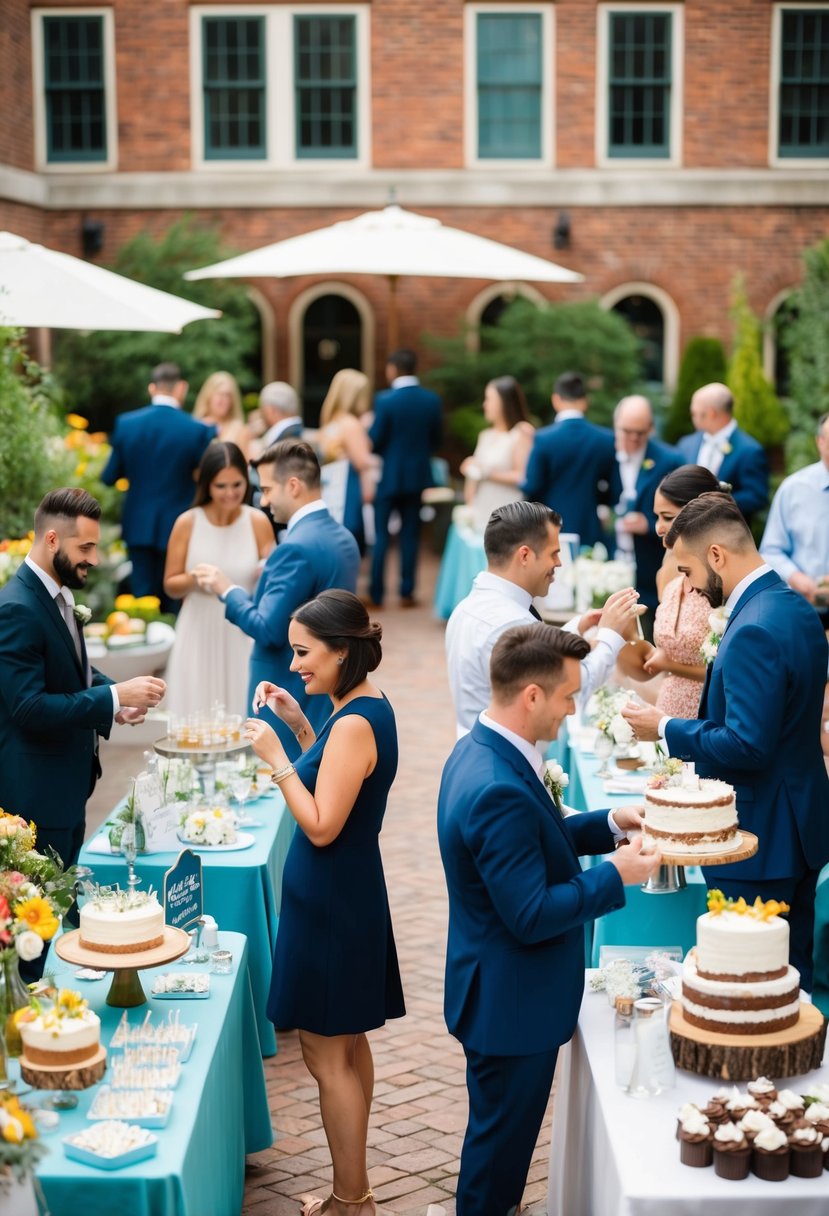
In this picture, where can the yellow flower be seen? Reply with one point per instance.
(122, 484)
(80, 468)
(716, 902)
(38, 915)
(648, 464)
(27, 1123)
(13, 1131)
(72, 1002)
(77, 422)
(148, 601)
(124, 601)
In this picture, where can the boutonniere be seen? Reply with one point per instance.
(648, 464)
(555, 781)
(726, 448)
(717, 621)
(82, 613)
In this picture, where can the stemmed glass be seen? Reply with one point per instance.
(603, 747)
(129, 853)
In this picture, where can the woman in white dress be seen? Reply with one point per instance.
(495, 471)
(209, 661)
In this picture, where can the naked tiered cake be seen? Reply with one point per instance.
(684, 813)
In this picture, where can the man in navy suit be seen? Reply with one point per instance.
(158, 449)
(641, 463)
(571, 462)
(518, 901)
(406, 432)
(316, 553)
(53, 705)
(719, 445)
(759, 715)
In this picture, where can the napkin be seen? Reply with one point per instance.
(626, 785)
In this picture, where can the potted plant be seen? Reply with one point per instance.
(128, 813)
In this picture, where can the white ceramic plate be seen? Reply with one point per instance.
(243, 840)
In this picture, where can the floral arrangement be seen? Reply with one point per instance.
(53, 1008)
(759, 910)
(717, 621)
(35, 890)
(622, 977)
(667, 773)
(595, 577)
(115, 900)
(604, 710)
(556, 781)
(20, 1149)
(12, 553)
(213, 826)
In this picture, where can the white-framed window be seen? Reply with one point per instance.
(799, 88)
(654, 318)
(508, 85)
(639, 84)
(280, 86)
(73, 80)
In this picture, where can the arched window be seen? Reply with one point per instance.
(489, 304)
(331, 327)
(779, 314)
(654, 318)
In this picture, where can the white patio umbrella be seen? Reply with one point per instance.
(391, 242)
(42, 288)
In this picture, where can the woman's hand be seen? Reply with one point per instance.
(280, 702)
(656, 661)
(265, 742)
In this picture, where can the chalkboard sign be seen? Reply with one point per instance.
(183, 891)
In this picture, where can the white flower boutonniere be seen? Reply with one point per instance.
(717, 621)
(726, 448)
(556, 781)
(648, 464)
(82, 613)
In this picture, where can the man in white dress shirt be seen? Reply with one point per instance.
(521, 543)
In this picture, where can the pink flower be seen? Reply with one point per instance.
(5, 910)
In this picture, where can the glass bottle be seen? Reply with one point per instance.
(13, 996)
(624, 1041)
(653, 1069)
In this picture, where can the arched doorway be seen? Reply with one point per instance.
(779, 316)
(489, 305)
(332, 338)
(654, 318)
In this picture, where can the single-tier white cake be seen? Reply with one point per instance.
(737, 979)
(122, 922)
(689, 814)
(66, 1036)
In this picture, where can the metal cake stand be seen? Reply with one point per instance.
(670, 875)
(205, 757)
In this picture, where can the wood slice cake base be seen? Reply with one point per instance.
(733, 1057)
(78, 1076)
(747, 848)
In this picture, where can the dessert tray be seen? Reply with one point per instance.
(126, 990)
(737, 1057)
(110, 1145)
(181, 985)
(144, 1108)
(243, 840)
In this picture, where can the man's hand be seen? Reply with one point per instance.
(628, 818)
(144, 692)
(656, 661)
(130, 717)
(644, 719)
(589, 621)
(634, 522)
(211, 579)
(633, 865)
(620, 610)
(805, 585)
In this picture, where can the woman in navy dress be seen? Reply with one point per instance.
(335, 966)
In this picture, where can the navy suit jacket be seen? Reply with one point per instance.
(659, 460)
(759, 729)
(407, 429)
(745, 467)
(569, 469)
(158, 448)
(48, 717)
(518, 900)
(316, 554)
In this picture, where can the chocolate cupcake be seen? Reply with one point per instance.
(695, 1140)
(824, 1145)
(739, 1105)
(715, 1111)
(732, 1153)
(791, 1101)
(763, 1090)
(807, 1152)
(753, 1122)
(688, 1108)
(784, 1118)
(770, 1155)
(816, 1115)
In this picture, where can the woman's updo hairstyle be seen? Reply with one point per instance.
(339, 619)
(687, 482)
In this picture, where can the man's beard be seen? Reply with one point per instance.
(69, 575)
(713, 590)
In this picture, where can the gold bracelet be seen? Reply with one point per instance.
(281, 774)
(299, 733)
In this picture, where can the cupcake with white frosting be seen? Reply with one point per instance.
(770, 1155)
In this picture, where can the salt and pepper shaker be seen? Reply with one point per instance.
(209, 933)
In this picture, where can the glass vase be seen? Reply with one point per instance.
(13, 996)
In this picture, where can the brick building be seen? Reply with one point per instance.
(657, 148)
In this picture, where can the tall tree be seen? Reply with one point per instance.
(703, 362)
(806, 339)
(757, 407)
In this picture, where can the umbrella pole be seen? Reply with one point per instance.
(392, 323)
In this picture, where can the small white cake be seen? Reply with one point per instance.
(684, 813)
(122, 922)
(65, 1036)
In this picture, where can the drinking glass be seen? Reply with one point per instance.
(603, 747)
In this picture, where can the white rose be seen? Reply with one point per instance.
(28, 945)
(555, 770)
(621, 730)
(214, 834)
(564, 780)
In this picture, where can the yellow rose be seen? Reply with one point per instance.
(77, 422)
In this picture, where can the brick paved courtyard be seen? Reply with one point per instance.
(419, 1110)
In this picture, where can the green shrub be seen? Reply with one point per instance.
(757, 407)
(806, 339)
(703, 362)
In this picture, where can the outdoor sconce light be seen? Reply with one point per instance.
(92, 237)
(561, 232)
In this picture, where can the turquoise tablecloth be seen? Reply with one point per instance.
(645, 920)
(242, 890)
(463, 558)
(220, 1110)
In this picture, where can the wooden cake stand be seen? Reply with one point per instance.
(730, 1057)
(670, 876)
(125, 991)
(77, 1076)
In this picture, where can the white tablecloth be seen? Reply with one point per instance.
(612, 1155)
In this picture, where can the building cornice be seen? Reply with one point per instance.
(244, 189)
